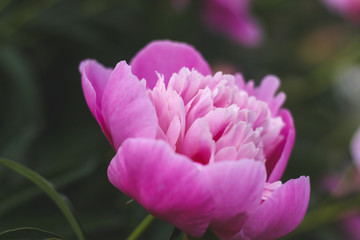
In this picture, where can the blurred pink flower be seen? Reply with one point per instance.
(195, 149)
(351, 224)
(348, 8)
(229, 17)
(355, 148)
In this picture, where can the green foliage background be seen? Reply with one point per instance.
(46, 125)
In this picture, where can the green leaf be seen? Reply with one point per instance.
(28, 233)
(49, 189)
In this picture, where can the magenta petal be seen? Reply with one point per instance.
(94, 78)
(280, 214)
(127, 109)
(166, 57)
(166, 184)
(276, 163)
(236, 187)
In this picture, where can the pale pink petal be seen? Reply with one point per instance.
(160, 102)
(199, 107)
(355, 148)
(277, 161)
(267, 88)
(166, 184)
(232, 18)
(238, 134)
(280, 214)
(94, 78)
(250, 151)
(269, 189)
(173, 132)
(198, 142)
(128, 111)
(236, 187)
(226, 153)
(166, 57)
(243, 85)
(266, 92)
(187, 83)
(219, 119)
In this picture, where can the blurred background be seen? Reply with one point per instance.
(46, 125)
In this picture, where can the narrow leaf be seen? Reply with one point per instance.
(28, 233)
(49, 189)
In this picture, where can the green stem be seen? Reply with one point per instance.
(141, 227)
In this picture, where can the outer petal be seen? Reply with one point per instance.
(276, 163)
(355, 148)
(94, 78)
(280, 214)
(128, 111)
(166, 57)
(166, 184)
(236, 187)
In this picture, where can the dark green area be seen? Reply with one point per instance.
(45, 123)
(28, 234)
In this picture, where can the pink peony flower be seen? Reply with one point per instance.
(195, 149)
(348, 8)
(230, 17)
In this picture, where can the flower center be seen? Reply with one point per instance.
(210, 118)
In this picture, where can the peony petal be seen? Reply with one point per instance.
(226, 153)
(127, 109)
(236, 187)
(198, 142)
(219, 119)
(267, 88)
(166, 57)
(94, 78)
(276, 163)
(266, 92)
(166, 184)
(201, 105)
(280, 214)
